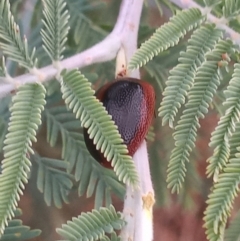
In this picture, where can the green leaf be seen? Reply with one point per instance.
(231, 9)
(3, 131)
(55, 21)
(62, 122)
(158, 72)
(226, 126)
(15, 231)
(220, 201)
(11, 41)
(24, 121)
(79, 97)
(232, 232)
(234, 141)
(92, 225)
(167, 36)
(53, 180)
(113, 237)
(182, 76)
(200, 96)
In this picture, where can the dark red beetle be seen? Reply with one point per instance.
(131, 103)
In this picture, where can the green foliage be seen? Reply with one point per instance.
(85, 32)
(3, 69)
(24, 121)
(158, 73)
(231, 8)
(53, 180)
(92, 225)
(89, 173)
(113, 237)
(182, 76)
(207, 80)
(18, 232)
(220, 201)
(92, 176)
(56, 25)
(79, 97)
(232, 232)
(62, 122)
(11, 41)
(3, 130)
(167, 36)
(4, 116)
(234, 141)
(196, 82)
(226, 126)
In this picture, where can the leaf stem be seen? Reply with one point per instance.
(124, 34)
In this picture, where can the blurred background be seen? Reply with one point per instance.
(176, 217)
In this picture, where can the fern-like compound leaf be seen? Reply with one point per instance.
(3, 68)
(234, 141)
(53, 180)
(231, 9)
(24, 121)
(167, 36)
(16, 231)
(85, 31)
(226, 126)
(232, 233)
(61, 121)
(207, 80)
(92, 225)
(182, 76)
(54, 35)
(3, 131)
(11, 41)
(220, 201)
(113, 237)
(157, 72)
(79, 97)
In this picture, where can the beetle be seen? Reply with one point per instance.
(131, 103)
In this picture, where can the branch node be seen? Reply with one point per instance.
(121, 63)
(40, 75)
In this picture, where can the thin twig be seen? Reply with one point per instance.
(220, 23)
(123, 35)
